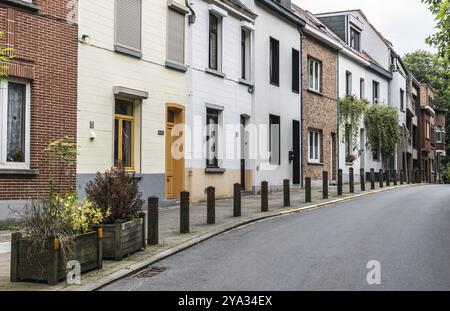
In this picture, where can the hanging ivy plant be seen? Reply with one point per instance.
(351, 111)
(382, 129)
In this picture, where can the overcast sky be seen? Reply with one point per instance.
(406, 23)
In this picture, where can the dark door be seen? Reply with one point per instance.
(243, 152)
(296, 149)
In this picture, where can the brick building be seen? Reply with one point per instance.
(441, 152)
(38, 98)
(427, 161)
(319, 66)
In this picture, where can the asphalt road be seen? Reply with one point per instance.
(406, 230)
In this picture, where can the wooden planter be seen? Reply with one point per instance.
(32, 262)
(123, 239)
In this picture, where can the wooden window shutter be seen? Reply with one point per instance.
(129, 24)
(175, 45)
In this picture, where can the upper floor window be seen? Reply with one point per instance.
(128, 26)
(175, 36)
(375, 92)
(362, 88)
(439, 135)
(215, 42)
(348, 83)
(314, 74)
(427, 130)
(15, 124)
(355, 39)
(274, 61)
(295, 71)
(402, 100)
(245, 54)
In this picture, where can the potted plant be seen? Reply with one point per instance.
(116, 193)
(349, 159)
(55, 230)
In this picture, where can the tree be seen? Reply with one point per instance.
(441, 39)
(429, 68)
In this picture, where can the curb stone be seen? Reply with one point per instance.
(137, 267)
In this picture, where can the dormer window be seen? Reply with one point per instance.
(355, 39)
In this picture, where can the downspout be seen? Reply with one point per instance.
(302, 119)
(338, 140)
(189, 83)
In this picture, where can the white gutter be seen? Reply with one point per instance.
(233, 10)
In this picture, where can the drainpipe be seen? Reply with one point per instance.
(189, 83)
(302, 118)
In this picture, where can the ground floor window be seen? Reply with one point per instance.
(212, 125)
(274, 139)
(14, 123)
(314, 146)
(124, 125)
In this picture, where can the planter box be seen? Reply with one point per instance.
(43, 262)
(123, 239)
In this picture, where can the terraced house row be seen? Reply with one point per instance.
(198, 93)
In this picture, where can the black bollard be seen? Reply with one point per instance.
(264, 196)
(388, 178)
(351, 180)
(237, 200)
(184, 212)
(395, 177)
(372, 179)
(339, 187)
(308, 190)
(325, 185)
(286, 193)
(211, 205)
(381, 178)
(152, 221)
(362, 179)
(401, 177)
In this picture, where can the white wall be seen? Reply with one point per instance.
(359, 71)
(271, 99)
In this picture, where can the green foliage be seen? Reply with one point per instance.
(351, 111)
(444, 173)
(116, 192)
(382, 129)
(6, 55)
(427, 68)
(441, 39)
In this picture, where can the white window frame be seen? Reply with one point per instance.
(247, 75)
(439, 135)
(219, 15)
(317, 138)
(4, 121)
(317, 65)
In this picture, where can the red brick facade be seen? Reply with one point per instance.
(320, 109)
(45, 44)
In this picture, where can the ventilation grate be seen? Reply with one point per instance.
(150, 272)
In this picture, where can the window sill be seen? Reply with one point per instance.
(275, 83)
(316, 163)
(214, 170)
(315, 92)
(15, 171)
(176, 66)
(129, 52)
(25, 5)
(349, 163)
(215, 73)
(246, 82)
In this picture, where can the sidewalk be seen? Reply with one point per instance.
(172, 242)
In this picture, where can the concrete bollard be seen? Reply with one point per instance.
(372, 179)
(388, 178)
(351, 180)
(152, 221)
(237, 200)
(264, 196)
(286, 193)
(395, 177)
(325, 185)
(211, 205)
(308, 190)
(381, 178)
(362, 179)
(184, 212)
(339, 186)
